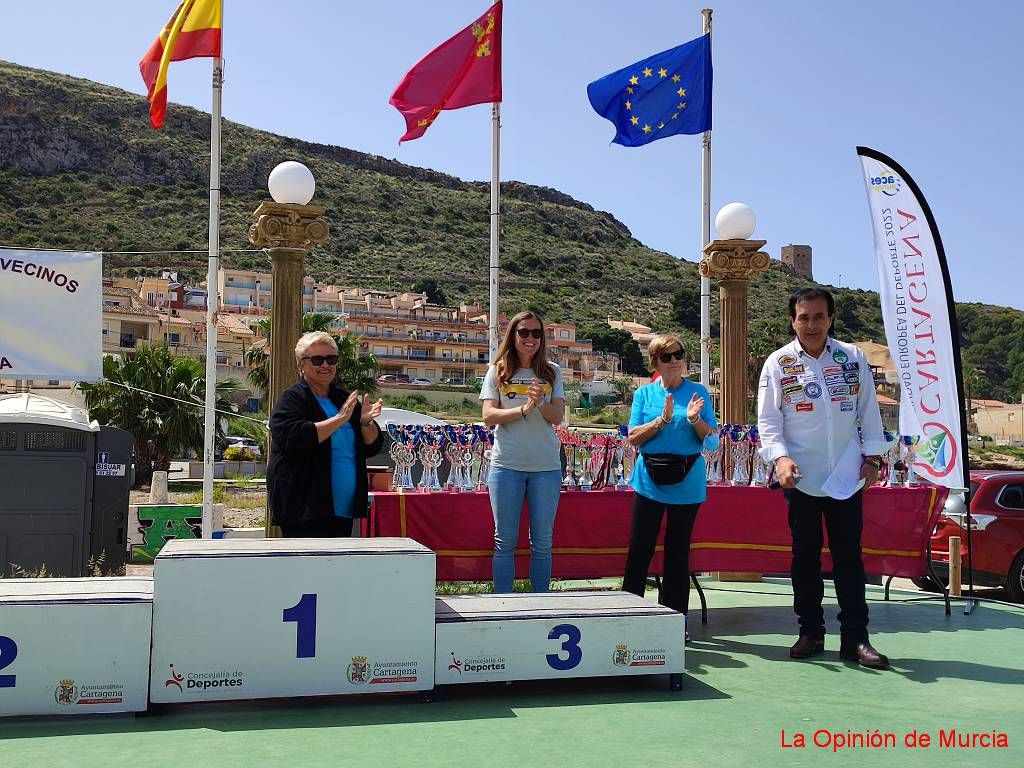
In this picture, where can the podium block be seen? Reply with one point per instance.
(249, 618)
(74, 646)
(483, 638)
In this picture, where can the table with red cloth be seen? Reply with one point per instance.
(738, 528)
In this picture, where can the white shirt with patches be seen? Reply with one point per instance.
(809, 409)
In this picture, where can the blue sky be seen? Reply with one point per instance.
(798, 85)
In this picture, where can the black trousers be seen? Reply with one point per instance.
(643, 537)
(325, 528)
(844, 521)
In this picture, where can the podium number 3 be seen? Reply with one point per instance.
(570, 646)
(8, 653)
(303, 613)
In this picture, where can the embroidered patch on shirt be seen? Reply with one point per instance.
(831, 370)
(851, 366)
(851, 378)
(841, 389)
(788, 380)
(839, 356)
(792, 369)
(796, 397)
(791, 388)
(787, 360)
(846, 406)
(805, 406)
(813, 390)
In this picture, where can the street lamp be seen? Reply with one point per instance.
(287, 228)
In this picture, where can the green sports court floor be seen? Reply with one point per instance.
(957, 673)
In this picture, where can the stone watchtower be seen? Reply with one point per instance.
(798, 258)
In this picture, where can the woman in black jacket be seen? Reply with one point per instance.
(321, 436)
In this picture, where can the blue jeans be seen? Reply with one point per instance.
(508, 488)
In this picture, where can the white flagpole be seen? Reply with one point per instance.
(492, 331)
(212, 301)
(705, 238)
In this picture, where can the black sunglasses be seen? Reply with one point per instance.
(318, 360)
(666, 357)
(525, 333)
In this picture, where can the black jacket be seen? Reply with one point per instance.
(299, 473)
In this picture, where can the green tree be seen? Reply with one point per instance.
(608, 339)
(159, 398)
(686, 307)
(624, 386)
(429, 286)
(357, 371)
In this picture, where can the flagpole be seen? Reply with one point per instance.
(705, 238)
(212, 301)
(492, 331)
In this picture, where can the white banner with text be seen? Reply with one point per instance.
(916, 307)
(51, 305)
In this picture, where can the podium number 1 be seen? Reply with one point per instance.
(303, 613)
(570, 645)
(8, 653)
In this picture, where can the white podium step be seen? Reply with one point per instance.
(486, 638)
(74, 646)
(244, 619)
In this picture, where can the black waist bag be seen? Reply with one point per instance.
(668, 468)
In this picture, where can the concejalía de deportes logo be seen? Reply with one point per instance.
(204, 681)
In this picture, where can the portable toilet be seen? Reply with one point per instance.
(64, 488)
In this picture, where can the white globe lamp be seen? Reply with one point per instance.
(291, 182)
(735, 221)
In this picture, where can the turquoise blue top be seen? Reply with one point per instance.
(678, 437)
(343, 462)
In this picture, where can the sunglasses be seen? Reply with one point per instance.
(525, 333)
(318, 360)
(666, 357)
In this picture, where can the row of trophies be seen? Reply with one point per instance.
(596, 460)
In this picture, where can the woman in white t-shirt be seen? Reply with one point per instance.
(523, 397)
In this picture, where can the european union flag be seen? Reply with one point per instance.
(663, 95)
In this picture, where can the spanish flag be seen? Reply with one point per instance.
(192, 32)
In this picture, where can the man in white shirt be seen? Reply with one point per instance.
(813, 395)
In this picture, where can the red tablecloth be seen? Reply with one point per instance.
(737, 529)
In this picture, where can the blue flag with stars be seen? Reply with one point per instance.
(663, 95)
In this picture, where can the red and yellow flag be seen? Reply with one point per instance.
(463, 70)
(192, 32)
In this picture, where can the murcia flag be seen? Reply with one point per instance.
(462, 71)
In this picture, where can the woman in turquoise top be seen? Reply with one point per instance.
(671, 423)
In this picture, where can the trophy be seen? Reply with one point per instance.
(908, 444)
(586, 482)
(402, 454)
(568, 448)
(430, 458)
(891, 457)
(621, 446)
(760, 468)
(740, 448)
(485, 439)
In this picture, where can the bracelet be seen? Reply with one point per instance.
(365, 423)
(661, 421)
(694, 420)
(521, 411)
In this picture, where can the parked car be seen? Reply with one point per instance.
(997, 534)
(235, 441)
(394, 378)
(421, 382)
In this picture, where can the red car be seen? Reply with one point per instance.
(997, 534)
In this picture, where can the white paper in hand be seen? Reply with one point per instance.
(845, 479)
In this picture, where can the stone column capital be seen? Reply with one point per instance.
(286, 225)
(734, 259)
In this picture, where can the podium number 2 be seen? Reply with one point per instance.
(570, 646)
(8, 653)
(303, 613)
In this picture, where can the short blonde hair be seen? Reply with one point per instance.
(307, 340)
(662, 342)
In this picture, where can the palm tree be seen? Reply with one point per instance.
(160, 399)
(357, 372)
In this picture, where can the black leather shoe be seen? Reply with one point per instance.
(806, 647)
(864, 655)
